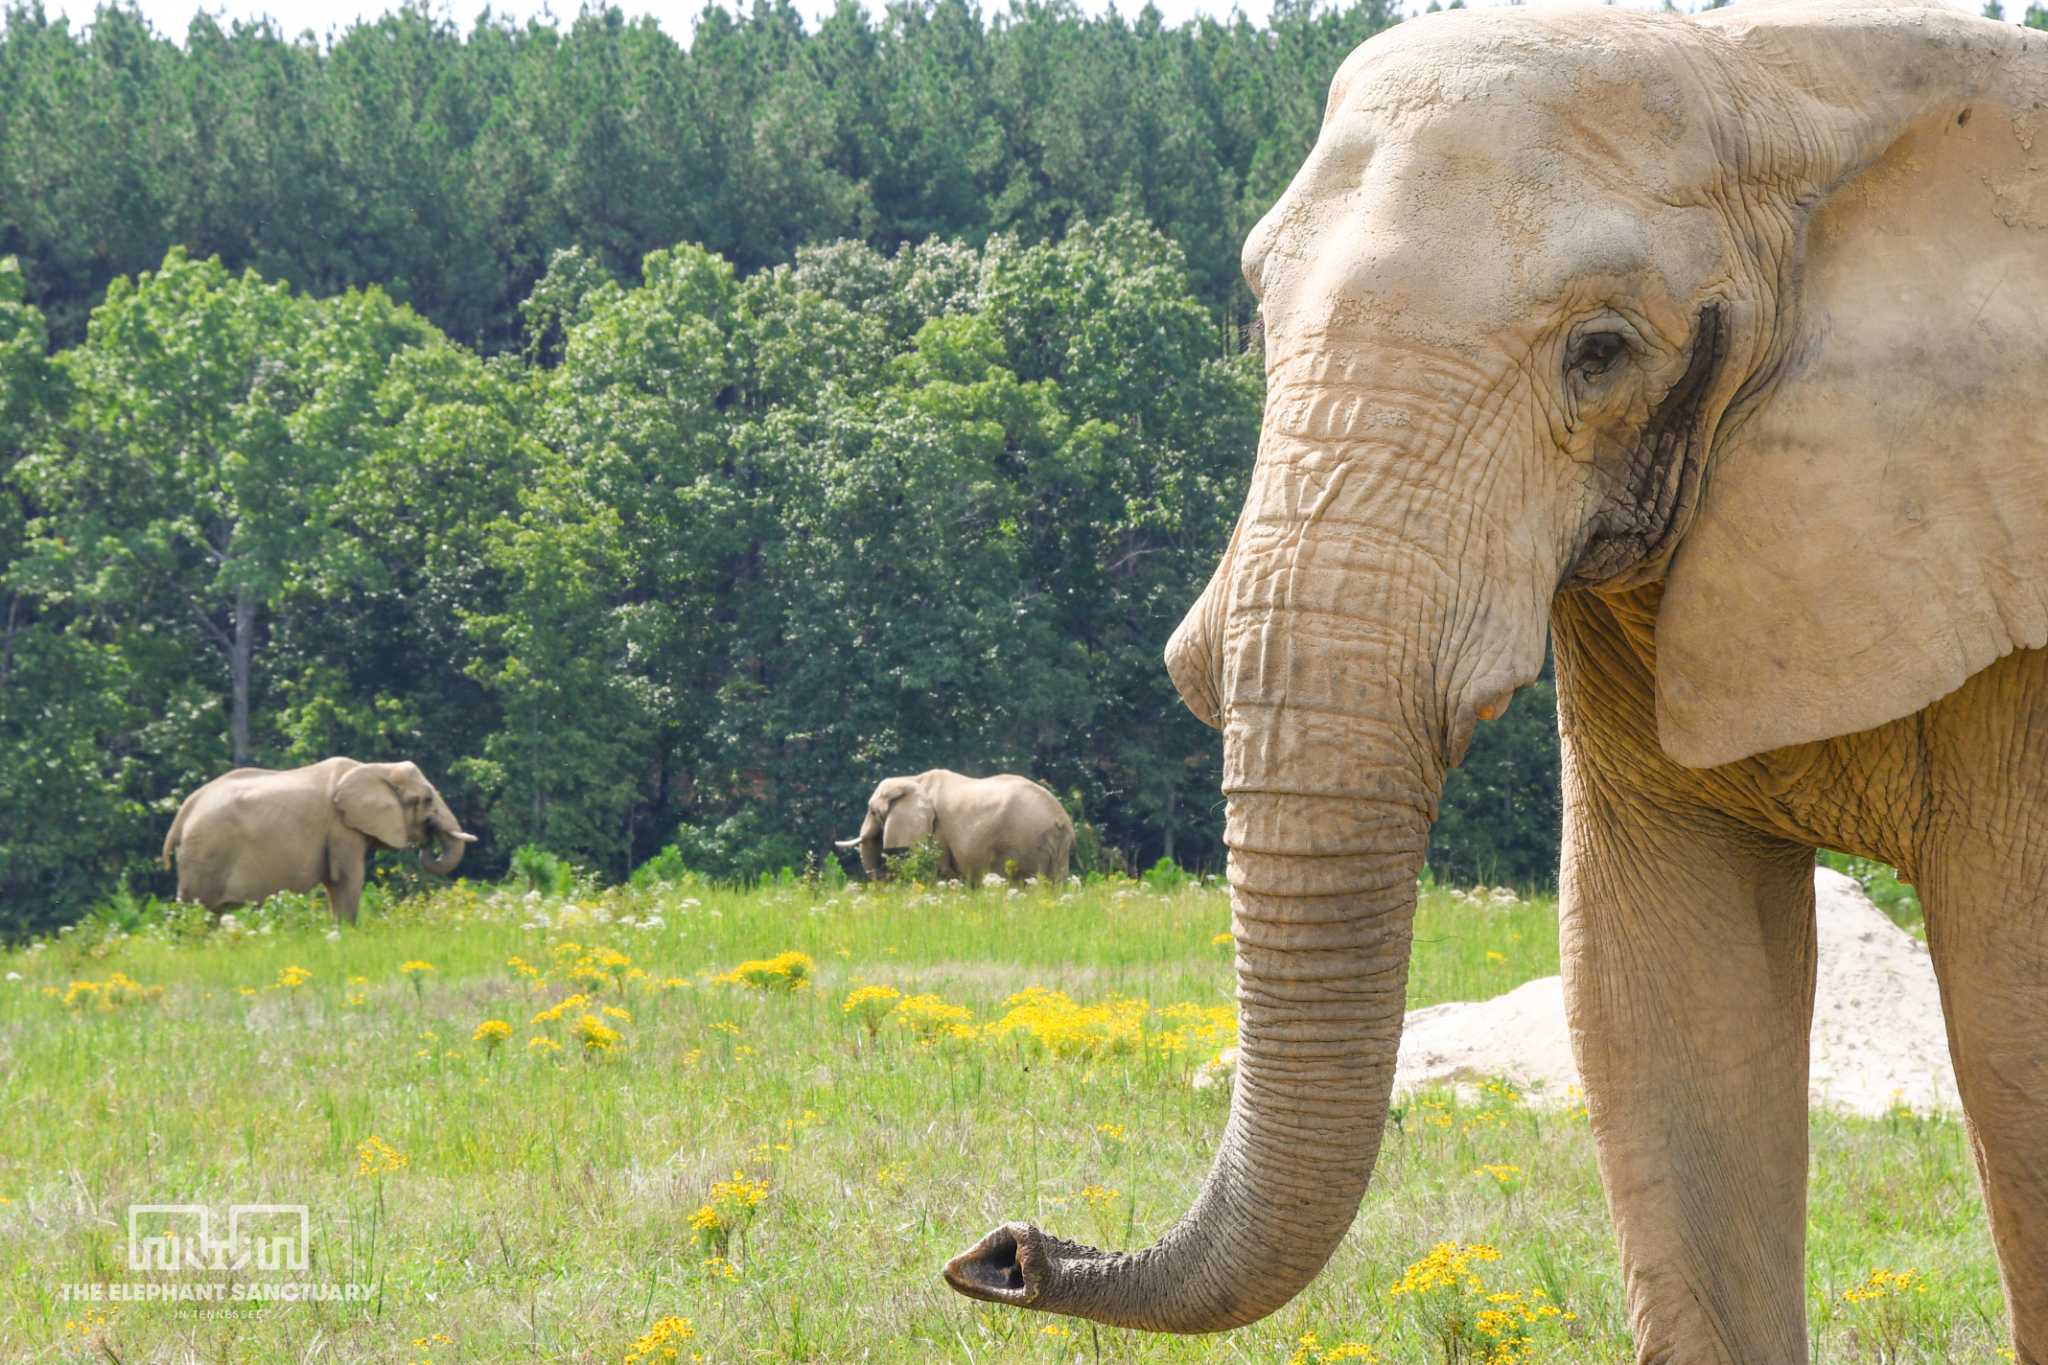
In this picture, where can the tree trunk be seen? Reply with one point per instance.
(241, 660)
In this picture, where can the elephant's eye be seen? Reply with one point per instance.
(1595, 353)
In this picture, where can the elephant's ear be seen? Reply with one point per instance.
(368, 803)
(910, 820)
(1874, 525)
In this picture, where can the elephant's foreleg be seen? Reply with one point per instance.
(1688, 949)
(344, 883)
(1987, 927)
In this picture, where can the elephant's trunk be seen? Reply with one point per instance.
(1334, 743)
(441, 851)
(1322, 960)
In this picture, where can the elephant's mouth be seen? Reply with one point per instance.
(1632, 541)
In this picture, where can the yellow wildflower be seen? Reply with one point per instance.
(560, 1008)
(491, 1032)
(784, 972)
(596, 1035)
(375, 1156)
(660, 1341)
(1886, 1284)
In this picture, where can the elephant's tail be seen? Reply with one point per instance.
(177, 828)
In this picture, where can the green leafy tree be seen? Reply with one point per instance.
(174, 492)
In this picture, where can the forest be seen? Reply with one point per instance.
(658, 442)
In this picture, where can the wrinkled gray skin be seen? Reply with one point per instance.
(1003, 824)
(257, 831)
(1711, 344)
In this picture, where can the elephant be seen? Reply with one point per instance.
(1006, 824)
(256, 831)
(1703, 350)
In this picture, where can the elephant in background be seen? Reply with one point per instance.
(258, 831)
(1004, 824)
(1710, 347)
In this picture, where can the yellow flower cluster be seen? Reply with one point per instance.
(596, 1036)
(1309, 1350)
(375, 1156)
(1502, 1174)
(1468, 1321)
(491, 1032)
(1052, 1022)
(1513, 1310)
(730, 1210)
(789, 971)
(291, 978)
(662, 1341)
(932, 1019)
(870, 1004)
(1066, 1029)
(554, 1012)
(1098, 1196)
(598, 967)
(739, 1191)
(540, 1045)
(414, 967)
(118, 989)
(1448, 1265)
(1886, 1284)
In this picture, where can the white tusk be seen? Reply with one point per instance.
(466, 838)
(846, 843)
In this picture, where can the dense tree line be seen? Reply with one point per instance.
(695, 566)
(447, 168)
(355, 399)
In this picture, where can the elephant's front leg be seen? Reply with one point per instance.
(1688, 949)
(1987, 927)
(344, 879)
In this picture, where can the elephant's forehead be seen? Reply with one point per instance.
(1474, 178)
(1561, 60)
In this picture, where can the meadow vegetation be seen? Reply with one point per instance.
(563, 1123)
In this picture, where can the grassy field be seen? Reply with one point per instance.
(788, 1174)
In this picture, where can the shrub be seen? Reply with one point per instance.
(1165, 877)
(666, 868)
(1899, 901)
(743, 847)
(919, 863)
(543, 871)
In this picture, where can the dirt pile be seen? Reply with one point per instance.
(1877, 1028)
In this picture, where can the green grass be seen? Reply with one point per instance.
(544, 1205)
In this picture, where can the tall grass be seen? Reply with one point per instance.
(543, 1206)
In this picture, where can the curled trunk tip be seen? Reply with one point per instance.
(1007, 1266)
(443, 851)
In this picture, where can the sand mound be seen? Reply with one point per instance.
(1877, 1030)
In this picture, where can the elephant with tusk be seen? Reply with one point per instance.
(1706, 347)
(256, 831)
(1007, 825)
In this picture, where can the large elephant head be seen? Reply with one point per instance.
(900, 814)
(1578, 301)
(394, 804)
